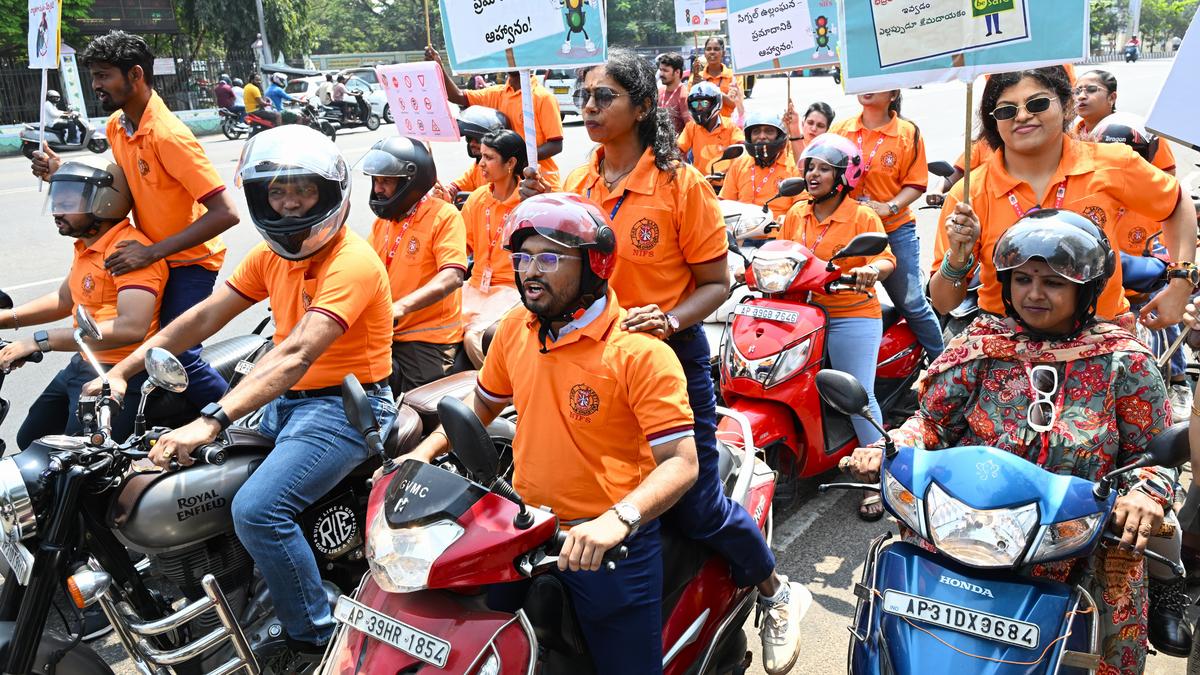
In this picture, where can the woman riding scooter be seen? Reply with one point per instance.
(825, 223)
(1071, 394)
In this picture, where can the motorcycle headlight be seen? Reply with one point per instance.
(991, 538)
(1062, 539)
(903, 502)
(401, 558)
(767, 371)
(774, 275)
(17, 520)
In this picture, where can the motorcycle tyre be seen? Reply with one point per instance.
(372, 122)
(387, 114)
(79, 660)
(98, 145)
(227, 128)
(329, 130)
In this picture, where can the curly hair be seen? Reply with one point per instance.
(638, 77)
(1053, 78)
(123, 50)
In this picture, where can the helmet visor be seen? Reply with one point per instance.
(290, 150)
(382, 163)
(70, 196)
(566, 220)
(1072, 254)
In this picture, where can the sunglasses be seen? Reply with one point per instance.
(546, 262)
(700, 104)
(603, 96)
(1037, 105)
(1089, 88)
(1042, 412)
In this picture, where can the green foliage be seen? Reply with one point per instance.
(1163, 19)
(13, 24)
(1107, 18)
(342, 26)
(232, 25)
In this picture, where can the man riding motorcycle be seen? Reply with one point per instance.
(331, 305)
(575, 375)
(90, 204)
(67, 123)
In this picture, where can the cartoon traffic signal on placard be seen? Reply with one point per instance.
(575, 21)
(823, 35)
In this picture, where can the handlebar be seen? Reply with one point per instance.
(611, 557)
(1177, 568)
(846, 283)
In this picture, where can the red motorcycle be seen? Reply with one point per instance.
(436, 540)
(775, 346)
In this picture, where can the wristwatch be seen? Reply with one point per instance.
(893, 207)
(42, 340)
(628, 513)
(215, 412)
(673, 322)
(1182, 270)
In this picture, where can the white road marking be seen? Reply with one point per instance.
(13, 191)
(799, 522)
(32, 284)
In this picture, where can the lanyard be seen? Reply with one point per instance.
(400, 235)
(612, 216)
(754, 184)
(871, 159)
(1059, 195)
(1044, 455)
(804, 234)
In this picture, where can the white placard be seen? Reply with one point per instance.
(164, 66)
(484, 27)
(1174, 112)
(691, 17)
(770, 30)
(908, 30)
(416, 93)
(43, 33)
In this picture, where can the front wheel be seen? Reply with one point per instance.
(372, 122)
(98, 145)
(229, 128)
(329, 130)
(387, 114)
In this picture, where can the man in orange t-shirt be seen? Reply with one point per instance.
(423, 245)
(708, 133)
(331, 305)
(604, 414)
(179, 201)
(507, 99)
(90, 203)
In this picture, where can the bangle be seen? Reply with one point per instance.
(795, 138)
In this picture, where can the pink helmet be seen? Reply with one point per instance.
(838, 152)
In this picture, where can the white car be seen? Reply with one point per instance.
(562, 83)
(303, 87)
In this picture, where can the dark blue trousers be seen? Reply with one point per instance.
(619, 612)
(186, 287)
(704, 513)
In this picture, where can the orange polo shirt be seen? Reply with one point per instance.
(662, 225)
(170, 178)
(469, 181)
(893, 158)
(484, 216)
(825, 239)
(723, 82)
(706, 146)
(1164, 157)
(1098, 181)
(747, 182)
(345, 282)
(980, 153)
(94, 289)
(593, 405)
(414, 250)
(547, 120)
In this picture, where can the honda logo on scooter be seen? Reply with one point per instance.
(967, 586)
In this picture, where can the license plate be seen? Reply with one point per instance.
(757, 312)
(19, 559)
(962, 620)
(416, 643)
(562, 90)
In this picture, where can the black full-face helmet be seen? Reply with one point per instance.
(406, 159)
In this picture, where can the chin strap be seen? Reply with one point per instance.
(828, 195)
(546, 323)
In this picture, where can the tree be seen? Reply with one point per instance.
(1163, 19)
(232, 25)
(342, 26)
(13, 24)
(1108, 17)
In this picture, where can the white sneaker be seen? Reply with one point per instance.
(1180, 396)
(589, 46)
(566, 48)
(780, 627)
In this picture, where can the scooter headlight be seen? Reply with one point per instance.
(789, 362)
(903, 502)
(774, 274)
(992, 538)
(1062, 539)
(401, 558)
(768, 371)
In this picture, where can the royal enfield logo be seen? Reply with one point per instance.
(413, 246)
(143, 167)
(334, 530)
(645, 237)
(1096, 215)
(197, 504)
(967, 586)
(89, 284)
(583, 400)
(889, 159)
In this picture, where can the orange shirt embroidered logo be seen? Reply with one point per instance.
(413, 245)
(645, 235)
(1096, 215)
(89, 284)
(1137, 235)
(584, 400)
(143, 167)
(306, 299)
(889, 159)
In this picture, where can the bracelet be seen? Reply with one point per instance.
(795, 138)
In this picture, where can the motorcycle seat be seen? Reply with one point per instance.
(425, 398)
(225, 355)
(891, 315)
(404, 433)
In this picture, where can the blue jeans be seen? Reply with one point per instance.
(315, 448)
(188, 286)
(853, 347)
(704, 513)
(906, 291)
(53, 411)
(619, 612)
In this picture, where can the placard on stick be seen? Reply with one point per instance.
(43, 35)
(487, 36)
(691, 17)
(416, 93)
(1174, 113)
(782, 34)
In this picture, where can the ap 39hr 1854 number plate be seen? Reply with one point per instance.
(963, 620)
(416, 643)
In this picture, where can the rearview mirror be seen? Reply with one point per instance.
(867, 243)
(732, 152)
(469, 440)
(790, 187)
(165, 371)
(357, 407)
(1171, 448)
(85, 323)
(940, 168)
(843, 392)
(5, 301)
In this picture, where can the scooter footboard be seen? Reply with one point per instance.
(923, 613)
(471, 633)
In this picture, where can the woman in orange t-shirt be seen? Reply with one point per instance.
(801, 131)
(1096, 98)
(491, 290)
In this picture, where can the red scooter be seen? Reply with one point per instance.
(436, 540)
(775, 346)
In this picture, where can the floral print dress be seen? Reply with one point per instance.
(1111, 401)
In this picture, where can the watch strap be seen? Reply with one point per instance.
(42, 340)
(214, 411)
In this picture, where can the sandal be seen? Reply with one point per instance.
(871, 508)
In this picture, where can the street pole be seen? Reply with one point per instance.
(262, 32)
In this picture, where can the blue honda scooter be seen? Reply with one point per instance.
(969, 606)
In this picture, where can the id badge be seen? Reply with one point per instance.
(485, 281)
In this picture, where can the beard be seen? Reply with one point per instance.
(545, 299)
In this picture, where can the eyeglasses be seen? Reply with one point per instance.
(1042, 412)
(546, 262)
(700, 104)
(1089, 88)
(604, 97)
(1037, 105)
